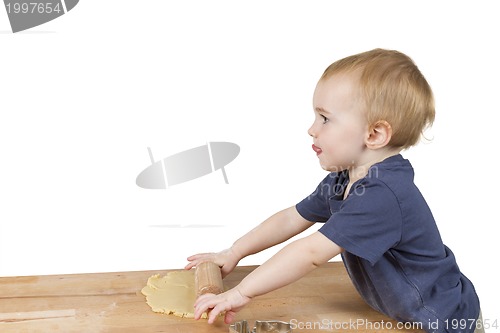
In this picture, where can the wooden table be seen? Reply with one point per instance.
(324, 300)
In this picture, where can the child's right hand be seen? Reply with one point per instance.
(226, 259)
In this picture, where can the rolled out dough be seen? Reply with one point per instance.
(172, 294)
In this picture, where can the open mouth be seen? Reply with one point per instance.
(317, 149)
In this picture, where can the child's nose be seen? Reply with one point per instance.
(311, 131)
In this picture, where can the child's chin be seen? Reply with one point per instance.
(329, 168)
(332, 168)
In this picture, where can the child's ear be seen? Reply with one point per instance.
(379, 135)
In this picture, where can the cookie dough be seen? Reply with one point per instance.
(172, 294)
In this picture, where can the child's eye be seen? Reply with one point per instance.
(325, 119)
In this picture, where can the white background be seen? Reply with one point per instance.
(83, 96)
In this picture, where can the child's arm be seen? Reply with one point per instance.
(288, 265)
(275, 230)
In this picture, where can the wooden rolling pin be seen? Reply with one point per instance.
(208, 279)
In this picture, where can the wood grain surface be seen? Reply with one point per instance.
(323, 301)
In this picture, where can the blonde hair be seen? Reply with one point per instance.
(392, 89)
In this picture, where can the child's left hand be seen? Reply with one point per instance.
(230, 301)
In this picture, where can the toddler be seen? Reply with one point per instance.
(368, 108)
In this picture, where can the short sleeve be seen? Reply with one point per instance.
(315, 207)
(368, 222)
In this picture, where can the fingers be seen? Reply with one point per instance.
(216, 307)
(213, 304)
(214, 313)
(197, 259)
(229, 317)
(230, 301)
(193, 264)
(196, 256)
(205, 303)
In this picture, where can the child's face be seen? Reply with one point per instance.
(339, 129)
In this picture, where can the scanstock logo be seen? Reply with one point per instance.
(28, 14)
(188, 165)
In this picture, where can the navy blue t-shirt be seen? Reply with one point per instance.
(393, 251)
